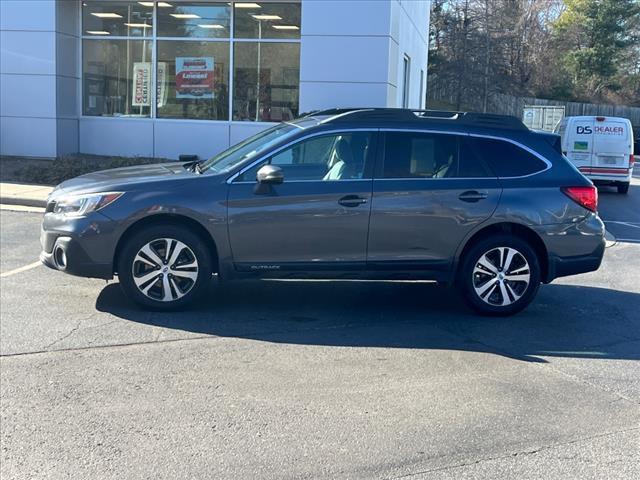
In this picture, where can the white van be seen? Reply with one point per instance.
(601, 147)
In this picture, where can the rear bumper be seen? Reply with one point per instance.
(575, 248)
(607, 175)
(565, 266)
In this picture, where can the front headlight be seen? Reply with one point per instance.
(81, 205)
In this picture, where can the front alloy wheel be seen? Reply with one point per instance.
(164, 267)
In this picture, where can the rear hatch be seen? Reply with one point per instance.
(610, 146)
(580, 144)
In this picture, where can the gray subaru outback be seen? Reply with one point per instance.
(473, 200)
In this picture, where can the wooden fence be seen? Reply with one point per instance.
(512, 105)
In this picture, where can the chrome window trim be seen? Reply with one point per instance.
(476, 135)
(231, 179)
(411, 130)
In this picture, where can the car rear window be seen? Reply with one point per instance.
(505, 158)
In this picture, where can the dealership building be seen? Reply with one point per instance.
(165, 78)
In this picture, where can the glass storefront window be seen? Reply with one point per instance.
(182, 59)
(266, 80)
(267, 20)
(200, 20)
(193, 80)
(123, 19)
(117, 77)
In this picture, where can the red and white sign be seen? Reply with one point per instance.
(194, 77)
(141, 84)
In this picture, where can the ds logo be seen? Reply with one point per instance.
(584, 130)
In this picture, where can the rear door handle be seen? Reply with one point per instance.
(472, 196)
(352, 201)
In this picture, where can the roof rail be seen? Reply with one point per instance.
(488, 120)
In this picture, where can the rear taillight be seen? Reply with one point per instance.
(632, 160)
(586, 197)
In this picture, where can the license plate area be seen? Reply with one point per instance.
(609, 160)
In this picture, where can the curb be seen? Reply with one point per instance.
(24, 201)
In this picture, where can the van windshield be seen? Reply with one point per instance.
(249, 148)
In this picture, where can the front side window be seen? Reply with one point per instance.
(322, 158)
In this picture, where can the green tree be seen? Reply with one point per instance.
(593, 38)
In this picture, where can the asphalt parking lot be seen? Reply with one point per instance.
(320, 379)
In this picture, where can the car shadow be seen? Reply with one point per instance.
(563, 321)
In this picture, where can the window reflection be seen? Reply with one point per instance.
(124, 19)
(117, 77)
(193, 80)
(189, 55)
(267, 20)
(266, 80)
(201, 20)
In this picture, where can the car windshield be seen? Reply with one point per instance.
(252, 146)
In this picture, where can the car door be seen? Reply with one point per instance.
(580, 144)
(317, 218)
(611, 146)
(429, 192)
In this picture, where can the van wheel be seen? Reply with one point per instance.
(164, 267)
(500, 275)
(623, 188)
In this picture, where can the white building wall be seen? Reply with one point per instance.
(352, 52)
(28, 117)
(410, 34)
(351, 55)
(38, 78)
(344, 59)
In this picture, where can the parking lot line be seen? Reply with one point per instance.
(20, 269)
(627, 224)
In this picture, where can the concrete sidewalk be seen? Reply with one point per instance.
(25, 195)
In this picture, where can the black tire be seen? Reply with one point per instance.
(189, 288)
(623, 188)
(469, 281)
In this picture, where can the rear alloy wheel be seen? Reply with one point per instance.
(501, 275)
(164, 267)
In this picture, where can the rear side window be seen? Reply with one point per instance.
(504, 158)
(420, 155)
(472, 164)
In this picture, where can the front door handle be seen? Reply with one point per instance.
(472, 196)
(352, 201)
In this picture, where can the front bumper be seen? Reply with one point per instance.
(68, 256)
(79, 246)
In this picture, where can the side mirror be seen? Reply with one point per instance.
(270, 174)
